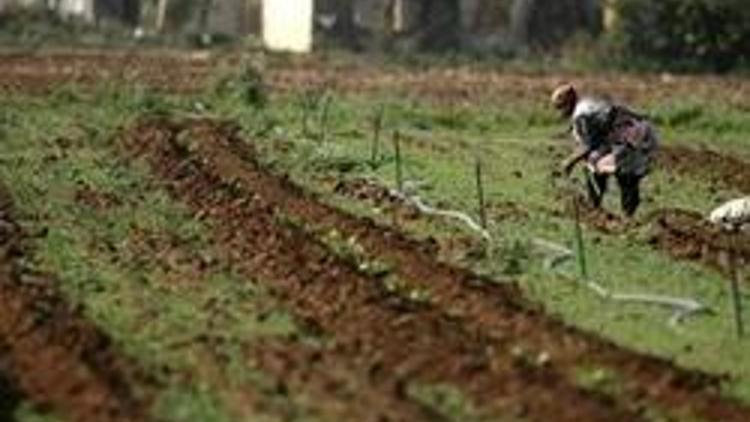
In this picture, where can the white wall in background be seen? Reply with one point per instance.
(287, 25)
(78, 8)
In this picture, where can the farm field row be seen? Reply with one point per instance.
(213, 254)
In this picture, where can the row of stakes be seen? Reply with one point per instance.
(580, 249)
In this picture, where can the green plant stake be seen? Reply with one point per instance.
(310, 102)
(324, 118)
(480, 190)
(399, 173)
(377, 126)
(735, 289)
(580, 248)
(306, 106)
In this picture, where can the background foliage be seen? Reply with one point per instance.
(685, 34)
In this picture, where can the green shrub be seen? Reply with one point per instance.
(244, 82)
(685, 34)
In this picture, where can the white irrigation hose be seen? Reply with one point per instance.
(683, 307)
(557, 254)
(428, 210)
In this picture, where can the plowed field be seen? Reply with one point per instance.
(189, 257)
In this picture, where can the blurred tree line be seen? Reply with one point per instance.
(664, 34)
(668, 34)
(683, 34)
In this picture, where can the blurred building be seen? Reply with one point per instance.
(287, 25)
(446, 24)
(234, 18)
(405, 25)
(6, 5)
(83, 9)
(125, 11)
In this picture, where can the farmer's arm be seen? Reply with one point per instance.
(584, 137)
(581, 153)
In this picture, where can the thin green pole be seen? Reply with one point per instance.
(480, 190)
(399, 170)
(735, 287)
(377, 126)
(324, 118)
(580, 247)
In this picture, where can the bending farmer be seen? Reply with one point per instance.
(612, 140)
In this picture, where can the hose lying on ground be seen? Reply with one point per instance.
(683, 307)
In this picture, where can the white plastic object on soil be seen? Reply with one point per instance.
(287, 25)
(733, 214)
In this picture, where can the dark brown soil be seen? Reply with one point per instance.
(467, 316)
(688, 235)
(716, 168)
(96, 200)
(598, 218)
(292, 367)
(50, 353)
(39, 73)
(340, 386)
(394, 340)
(457, 86)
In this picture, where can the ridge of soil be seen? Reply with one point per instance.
(329, 386)
(183, 71)
(719, 169)
(203, 158)
(683, 234)
(397, 341)
(479, 302)
(688, 235)
(41, 73)
(50, 353)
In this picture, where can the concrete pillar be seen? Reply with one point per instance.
(399, 16)
(610, 15)
(83, 9)
(287, 25)
(161, 15)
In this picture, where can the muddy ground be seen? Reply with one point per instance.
(189, 71)
(718, 169)
(688, 235)
(474, 325)
(470, 332)
(50, 354)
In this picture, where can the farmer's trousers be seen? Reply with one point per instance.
(630, 193)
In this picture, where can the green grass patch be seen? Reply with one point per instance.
(29, 413)
(520, 152)
(448, 402)
(129, 258)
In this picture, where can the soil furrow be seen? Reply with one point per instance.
(688, 235)
(184, 72)
(496, 311)
(718, 169)
(683, 234)
(397, 341)
(189, 71)
(329, 386)
(338, 386)
(51, 354)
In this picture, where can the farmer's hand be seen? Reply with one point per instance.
(567, 167)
